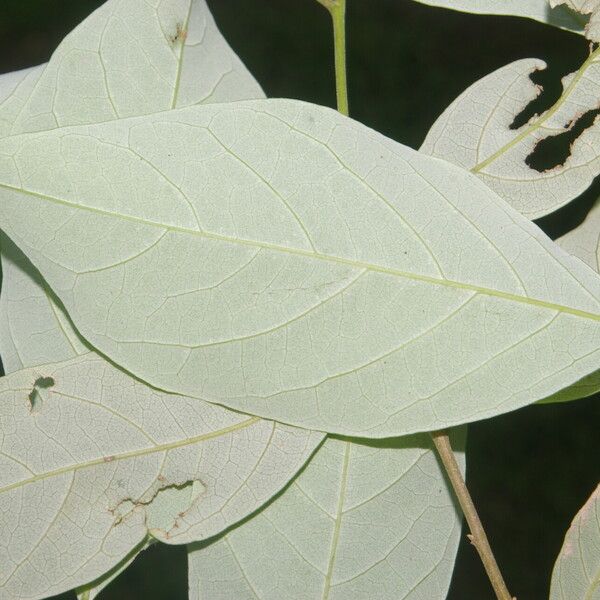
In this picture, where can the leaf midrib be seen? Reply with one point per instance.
(132, 454)
(450, 283)
(178, 73)
(338, 521)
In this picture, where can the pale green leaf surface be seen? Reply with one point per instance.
(361, 521)
(88, 467)
(158, 514)
(539, 10)
(122, 60)
(33, 328)
(284, 260)
(583, 242)
(475, 133)
(130, 57)
(15, 89)
(576, 574)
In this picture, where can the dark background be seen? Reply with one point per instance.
(529, 471)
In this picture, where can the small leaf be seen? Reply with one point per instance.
(539, 10)
(476, 132)
(33, 327)
(15, 89)
(584, 241)
(576, 572)
(588, 386)
(88, 475)
(283, 260)
(589, 8)
(363, 520)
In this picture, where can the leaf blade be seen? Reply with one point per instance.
(267, 263)
(539, 10)
(96, 471)
(476, 132)
(358, 522)
(584, 243)
(576, 572)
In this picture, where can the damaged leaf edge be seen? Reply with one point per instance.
(535, 123)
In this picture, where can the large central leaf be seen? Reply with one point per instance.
(281, 259)
(584, 243)
(576, 572)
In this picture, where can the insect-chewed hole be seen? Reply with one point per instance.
(43, 383)
(35, 398)
(179, 35)
(553, 151)
(551, 90)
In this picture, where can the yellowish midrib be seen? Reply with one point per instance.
(132, 454)
(539, 122)
(449, 283)
(179, 70)
(338, 521)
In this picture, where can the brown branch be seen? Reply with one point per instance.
(477, 536)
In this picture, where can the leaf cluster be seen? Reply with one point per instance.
(231, 322)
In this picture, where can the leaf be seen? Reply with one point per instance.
(90, 460)
(588, 386)
(476, 132)
(363, 520)
(539, 10)
(577, 569)
(584, 241)
(283, 260)
(33, 327)
(15, 89)
(130, 57)
(129, 41)
(589, 8)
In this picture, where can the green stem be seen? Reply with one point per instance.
(477, 537)
(338, 15)
(337, 9)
